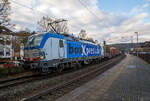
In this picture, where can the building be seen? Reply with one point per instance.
(6, 50)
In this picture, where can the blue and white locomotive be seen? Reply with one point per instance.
(51, 51)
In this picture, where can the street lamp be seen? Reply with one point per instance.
(137, 42)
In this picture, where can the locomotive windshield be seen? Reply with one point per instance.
(34, 41)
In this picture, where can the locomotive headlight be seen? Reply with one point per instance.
(42, 55)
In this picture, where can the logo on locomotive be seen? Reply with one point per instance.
(76, 49)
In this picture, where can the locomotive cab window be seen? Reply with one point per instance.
(61, 44)
(34, 41)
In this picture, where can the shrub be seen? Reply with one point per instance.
(11, 70)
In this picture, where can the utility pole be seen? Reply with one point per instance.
(104, 43)
(137, 42)
(131, 43)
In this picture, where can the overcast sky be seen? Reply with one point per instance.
(112, 20)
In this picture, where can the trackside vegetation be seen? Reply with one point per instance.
(6, 71)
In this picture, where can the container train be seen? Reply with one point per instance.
(55, 52)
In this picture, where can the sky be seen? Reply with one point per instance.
(114, 21)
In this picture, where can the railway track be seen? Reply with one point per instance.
(17, 81)
(31, 78)
(27, 79)
(22, 82)
(59, 90)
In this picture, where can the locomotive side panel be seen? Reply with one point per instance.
(55, 48)
(81, 50)
(74, 49)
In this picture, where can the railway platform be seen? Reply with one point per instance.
(127, 81)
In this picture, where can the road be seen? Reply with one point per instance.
(127, 81)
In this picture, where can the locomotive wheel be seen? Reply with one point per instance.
(79, 65)
(60, 68)
(45, 69)
(97, 61)
(75, 67)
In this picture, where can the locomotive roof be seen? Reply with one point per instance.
(73, 38)
(67, 37)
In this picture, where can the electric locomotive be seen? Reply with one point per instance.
(50, 51)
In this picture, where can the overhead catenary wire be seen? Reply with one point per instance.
(31, 8)
(81, 2)
(34, 10)
(22, 5)
(88, 9)
(92, 13)
(46, 14)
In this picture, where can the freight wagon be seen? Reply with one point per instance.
(114, 51)
(49, 51)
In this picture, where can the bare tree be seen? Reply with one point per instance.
(51, 25)
(82, 34)
(43, 24)
(4, 13)
(27, 30)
